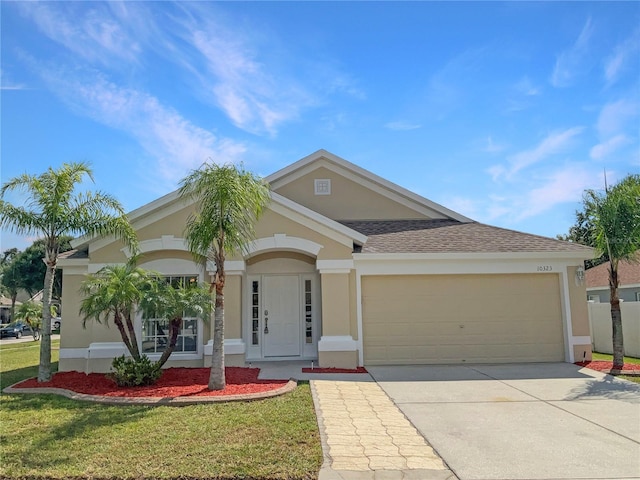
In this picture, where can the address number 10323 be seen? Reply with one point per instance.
(544, 268)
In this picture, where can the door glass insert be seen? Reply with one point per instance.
(308, 312)
(255, 312)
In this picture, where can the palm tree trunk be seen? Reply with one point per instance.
(616, 318)
(174, 329)
(125, 338)
(135, 351)
(44, 369)
(217, 377)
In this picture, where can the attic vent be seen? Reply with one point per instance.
(322, 186)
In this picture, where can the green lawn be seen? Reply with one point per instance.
(607, 357)
(46, 436)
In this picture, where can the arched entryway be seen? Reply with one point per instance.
(283, 306)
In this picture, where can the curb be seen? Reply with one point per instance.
(155, 401)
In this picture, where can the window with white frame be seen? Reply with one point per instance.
(155, 331)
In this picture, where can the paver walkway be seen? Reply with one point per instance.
(366, 437)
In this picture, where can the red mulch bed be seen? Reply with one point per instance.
(174, 382)
(334, 370)
(604, 366)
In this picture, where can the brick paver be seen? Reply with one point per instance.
(366, 437)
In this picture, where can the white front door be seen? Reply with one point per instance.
(281, 314)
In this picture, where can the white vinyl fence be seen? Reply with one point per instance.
(600, 323)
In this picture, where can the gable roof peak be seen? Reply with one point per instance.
(362, 176)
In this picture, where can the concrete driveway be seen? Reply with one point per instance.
(533, 421)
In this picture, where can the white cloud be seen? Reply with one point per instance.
(255, 96)
(402, 126)
(466, 206)
(614, 116)
(445, 92)
(493, 147)
(570, 63)
(92, 33)
(526, 87)
(552, 144)
(605, 149)
(624, 52)
(177, 144)
(562, 186)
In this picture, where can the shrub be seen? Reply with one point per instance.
(128, 372)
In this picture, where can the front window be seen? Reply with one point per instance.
(155, 331)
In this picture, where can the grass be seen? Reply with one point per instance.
(46, 436)
(609, 358)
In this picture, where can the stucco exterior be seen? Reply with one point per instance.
(313, 286)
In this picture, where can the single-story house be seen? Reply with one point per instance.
(597, 280)
(350, 269)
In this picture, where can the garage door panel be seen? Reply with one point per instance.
(462, 319)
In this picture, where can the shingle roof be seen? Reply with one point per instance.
(449, 236)
(628, 274)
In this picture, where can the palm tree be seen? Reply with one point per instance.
(162, 300)
(52, 208)
(615, 216)
(114, 293)
(228, 202)
(31, 313)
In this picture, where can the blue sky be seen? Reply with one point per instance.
(504, 112)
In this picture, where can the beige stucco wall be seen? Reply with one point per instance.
(462, 319)
(348, 200)
(338, 359)
(578, 304)
(272, 223)
(73, 334)
(335, 304)
(233, 307)
(172, 224)
(280, 262)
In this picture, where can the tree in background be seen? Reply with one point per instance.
(10, 278)
(613, 217)
(228, 202)
(52, 208)
(32, 269)
(582, 232)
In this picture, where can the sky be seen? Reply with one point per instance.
(503, 112)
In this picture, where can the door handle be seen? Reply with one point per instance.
(266, 326)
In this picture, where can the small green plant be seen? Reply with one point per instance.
(130, 372)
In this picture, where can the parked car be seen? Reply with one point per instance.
(16, 329)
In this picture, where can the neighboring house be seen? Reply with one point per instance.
(597, 280)
(350, 269)
(5, 309)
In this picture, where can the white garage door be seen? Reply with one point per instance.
(431, 319)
